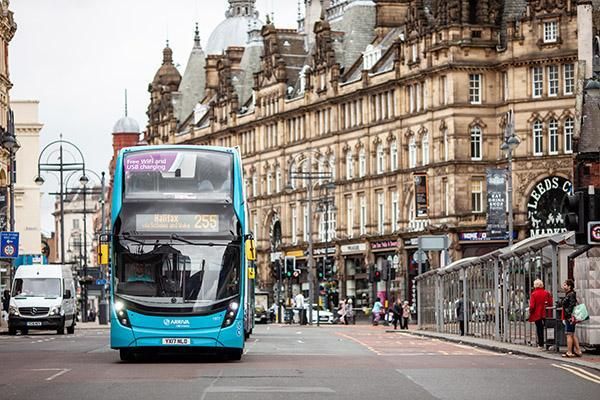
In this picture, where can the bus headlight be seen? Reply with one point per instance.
(230, 314)
(121, 312)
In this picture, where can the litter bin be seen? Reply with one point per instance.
(555, 332)
(103, 312)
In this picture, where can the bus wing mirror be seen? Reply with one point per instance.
(251, 250)
(67, 294)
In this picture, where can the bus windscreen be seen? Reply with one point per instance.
(178, 174)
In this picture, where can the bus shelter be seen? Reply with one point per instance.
(494, 289)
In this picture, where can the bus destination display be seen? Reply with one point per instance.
(208, 223)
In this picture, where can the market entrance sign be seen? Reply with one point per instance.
(544, 208)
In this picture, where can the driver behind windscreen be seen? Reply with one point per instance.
(138, 274)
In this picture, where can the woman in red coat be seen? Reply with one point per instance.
(539, 300)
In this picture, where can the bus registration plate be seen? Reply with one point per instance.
(176, 341)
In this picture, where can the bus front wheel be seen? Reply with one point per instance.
(235, 354)
(126, 355)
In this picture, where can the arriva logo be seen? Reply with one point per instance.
(176, 322)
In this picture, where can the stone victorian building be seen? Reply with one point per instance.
(8, 28)
(405, 104)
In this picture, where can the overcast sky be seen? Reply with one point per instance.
(78, 56)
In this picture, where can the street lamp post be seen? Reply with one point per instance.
(311, 176)
(324, 204)
(511, 142)
(10, 143)
(61, 167)
(83, 181)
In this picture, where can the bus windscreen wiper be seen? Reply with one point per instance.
(175, 236)
(127, 236)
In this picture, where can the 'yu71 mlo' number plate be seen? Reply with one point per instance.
(177, 341)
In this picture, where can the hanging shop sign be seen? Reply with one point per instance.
(353, 248)
(544, 208)
(420, 195)
(385, 244)
(496, 203)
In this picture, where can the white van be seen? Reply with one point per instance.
(42, 297)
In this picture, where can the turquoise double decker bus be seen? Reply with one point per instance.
(180, 250)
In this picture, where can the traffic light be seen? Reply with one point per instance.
(328, 268)
(290, 266)
(578, 214)
(385, 272)
(275, 269)
(320, 269)
(377, 275)
(371, 273)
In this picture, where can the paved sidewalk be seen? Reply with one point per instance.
(588, 360)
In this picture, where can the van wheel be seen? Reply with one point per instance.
(126, 355)
(71, 329)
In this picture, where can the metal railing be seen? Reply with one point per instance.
(494, 290)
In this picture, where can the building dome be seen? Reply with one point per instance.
(126, 125)
(240, 18)
(167, 74)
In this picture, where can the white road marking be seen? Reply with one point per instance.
(300, 341)
(576, 371)
(60, 372)
(267, 389)
(205, 392)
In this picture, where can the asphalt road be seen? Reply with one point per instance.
(337, 362)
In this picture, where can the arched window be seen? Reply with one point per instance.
(538, 139)
(349, 165)
(425, 148)
(331, 167)
(446, 150)
(269, 183)
(362, 163)
(278, 179)
(568, 132)
(553, 136)
(394, 154)
(476, 143)
(412, 152)
(380, 159)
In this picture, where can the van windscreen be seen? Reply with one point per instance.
(36, 287)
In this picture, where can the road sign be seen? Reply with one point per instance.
(100, 282)
(594, 232)
(276, 256)
(433, 242)
(420, 256)
(9, 244)
(251, 273)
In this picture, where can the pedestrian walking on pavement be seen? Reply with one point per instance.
(377, 307)
(568, 304)
(5, 304)
(539, 300)
(398, 310)
(405, 314)
(299, 300)
(460, 316)
(349, 316)
(341, 311)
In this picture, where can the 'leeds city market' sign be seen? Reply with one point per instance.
(544, 208)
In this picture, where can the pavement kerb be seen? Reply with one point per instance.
(500, 348)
